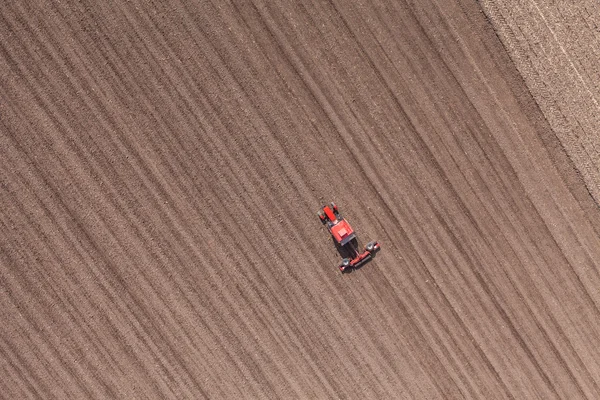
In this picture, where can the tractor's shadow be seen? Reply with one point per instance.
(347, 252)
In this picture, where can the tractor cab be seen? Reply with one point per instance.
(342, 232)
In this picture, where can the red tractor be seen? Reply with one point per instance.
(344, 236)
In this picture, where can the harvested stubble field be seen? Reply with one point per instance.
(161, 164)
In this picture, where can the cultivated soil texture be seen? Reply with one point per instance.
(161, 165)
(556, 47)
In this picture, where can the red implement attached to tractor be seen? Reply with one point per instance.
(344, 236)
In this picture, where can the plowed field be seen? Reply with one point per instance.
(161, 165)
(556, 47)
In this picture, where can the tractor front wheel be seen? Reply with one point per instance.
(321, 215)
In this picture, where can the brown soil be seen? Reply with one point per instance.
(556, 47)
(160, 170)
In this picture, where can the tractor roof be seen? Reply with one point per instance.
(342, 232)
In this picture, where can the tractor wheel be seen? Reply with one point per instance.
(333, 206)
(321, 215)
